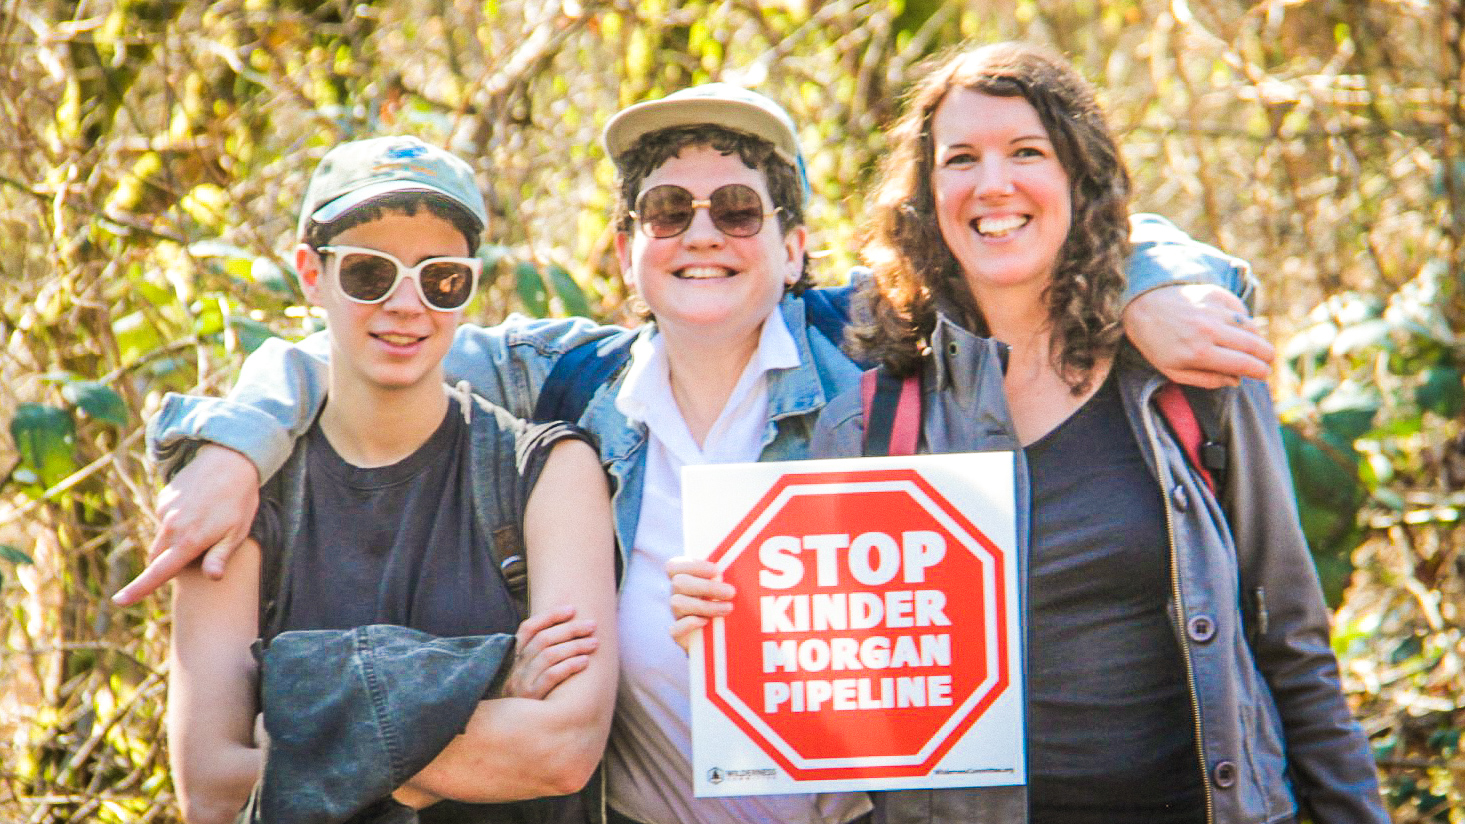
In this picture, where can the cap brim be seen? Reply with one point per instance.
(623, 130)
(352, 199)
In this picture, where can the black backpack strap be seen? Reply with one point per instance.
(578, 373)
(892, 412)
(1195, 419)
(1206, 405)
(498, 499)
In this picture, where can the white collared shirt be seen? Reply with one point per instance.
(649, 760)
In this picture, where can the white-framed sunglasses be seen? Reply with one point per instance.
(370, 276)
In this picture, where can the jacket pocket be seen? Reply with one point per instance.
(1265, 751)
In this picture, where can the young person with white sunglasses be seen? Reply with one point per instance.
(387, 673)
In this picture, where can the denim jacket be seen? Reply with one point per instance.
(1274, 734)
(282, 385)
(353, 714)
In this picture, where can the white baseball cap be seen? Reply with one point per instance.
(716, 104)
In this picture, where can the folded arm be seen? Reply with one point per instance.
(517, 748)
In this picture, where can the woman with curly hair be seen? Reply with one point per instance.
(1177, 655)
(1177, 658)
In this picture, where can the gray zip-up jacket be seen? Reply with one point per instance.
(1274, 734)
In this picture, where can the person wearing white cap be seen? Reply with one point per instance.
(387, 675)
(731, 367)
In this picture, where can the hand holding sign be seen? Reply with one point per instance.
(697, 596)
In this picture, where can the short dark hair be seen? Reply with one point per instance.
(408, 203)
(653, 149)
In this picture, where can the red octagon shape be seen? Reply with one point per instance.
(882, 708)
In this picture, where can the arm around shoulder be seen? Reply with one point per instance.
(279, 391)
(507, 363)
(1200, 333)
(1163, 255)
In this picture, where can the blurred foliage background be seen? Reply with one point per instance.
(152, 153)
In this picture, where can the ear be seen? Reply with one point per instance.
(794, 242)
(308, 266)
(623, 244)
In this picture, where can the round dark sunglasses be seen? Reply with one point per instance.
(371, 276)
(667, 210)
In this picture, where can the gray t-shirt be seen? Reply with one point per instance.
(1111, 735)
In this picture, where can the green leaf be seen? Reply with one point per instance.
(531, 289)
(44, 437)
(136, 336)
(1367, 334)
(1347, 309)
(208, 318)
(1312, 342)
(1389, 498)
(1315, 389)
(14, 555)
(231, 259)
(571, 296)
(1441, 392)
(250, 332)
(97, 400)
(1334, 573)
(1349, 411)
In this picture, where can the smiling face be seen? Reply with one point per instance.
(1002, 196)
(703, 282)
(397, 344)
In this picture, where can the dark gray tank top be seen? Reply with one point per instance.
(399, 544)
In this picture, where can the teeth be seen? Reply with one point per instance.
(999, 225)
(398, 340)
(701, 272)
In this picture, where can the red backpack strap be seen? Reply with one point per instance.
(1176, 410)
(892, 412)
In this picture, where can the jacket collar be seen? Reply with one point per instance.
(793, 391)
(959, 355)
(797, 390)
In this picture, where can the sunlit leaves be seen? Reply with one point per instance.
(45, 437)
(98, 401)
(571, 296)
(531, 288)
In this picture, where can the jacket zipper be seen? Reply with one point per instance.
(1200, 750)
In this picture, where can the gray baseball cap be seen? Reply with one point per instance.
(717, 104)
(353, 173)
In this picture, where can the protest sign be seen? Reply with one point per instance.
(874, 641)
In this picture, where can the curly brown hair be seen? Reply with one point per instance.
(651, 150)
(915, 271)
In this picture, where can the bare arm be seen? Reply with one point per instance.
(215, 495)
(517, 748)
(211, 712)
